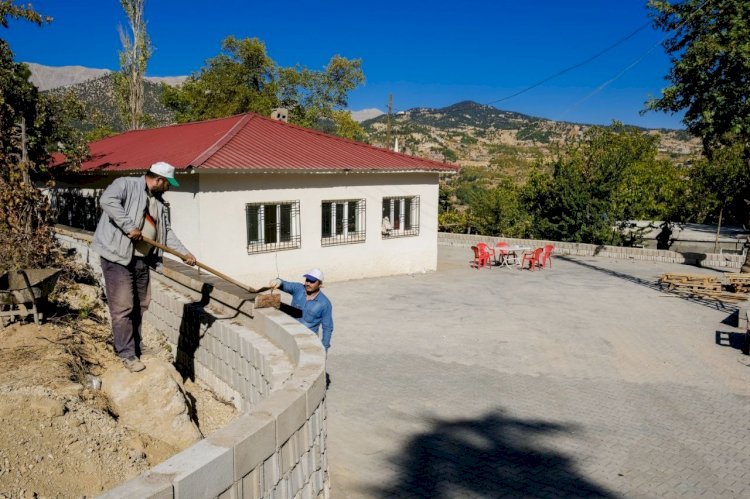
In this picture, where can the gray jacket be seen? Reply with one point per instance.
(123, 206)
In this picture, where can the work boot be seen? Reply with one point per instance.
(133, 364)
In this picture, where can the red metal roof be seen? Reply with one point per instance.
(247, 142)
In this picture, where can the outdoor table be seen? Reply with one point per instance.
(516, 251)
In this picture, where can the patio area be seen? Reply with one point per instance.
(580, 380)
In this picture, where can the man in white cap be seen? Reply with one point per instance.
(132, 207)
(317, 311)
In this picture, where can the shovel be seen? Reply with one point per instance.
(261, 301)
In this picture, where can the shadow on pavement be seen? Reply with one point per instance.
(715, 304)
(738, 341)
(494, 456)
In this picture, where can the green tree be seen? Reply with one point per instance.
(9, 9)
(136, 52)
(710, 57)
(31, 127)
(243, 78)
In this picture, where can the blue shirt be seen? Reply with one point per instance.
(315, 313)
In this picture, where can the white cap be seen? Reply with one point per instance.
(165, 170)
(315, 275)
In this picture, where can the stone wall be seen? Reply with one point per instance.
(267, 363)
(708, 260)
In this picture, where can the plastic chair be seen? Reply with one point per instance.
(481, 258)
(547, 256)
(490, 251)
(502, 254)
(533, 258)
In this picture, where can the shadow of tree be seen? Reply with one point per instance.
(494, 456)
(706, 302)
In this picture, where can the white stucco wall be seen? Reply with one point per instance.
(223, 231)
(208, 215)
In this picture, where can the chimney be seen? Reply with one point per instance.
(280, 114)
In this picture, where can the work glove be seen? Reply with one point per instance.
(274, 283)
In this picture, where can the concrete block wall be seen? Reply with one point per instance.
(709, 260)
(268, 364)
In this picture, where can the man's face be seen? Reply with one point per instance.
(312, 286)
(160, 184)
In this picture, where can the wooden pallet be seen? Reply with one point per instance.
(707, 287)
(740, 283)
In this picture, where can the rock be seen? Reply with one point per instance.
(152, 402)
(48, 407)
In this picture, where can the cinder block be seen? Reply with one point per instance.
(271, 474)
(233, 492)
(253, 439)
(203, 470)
(288, 407)
(148, 485)
(252, 484)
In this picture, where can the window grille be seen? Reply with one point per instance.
(342, 222)
(400, 217)
(273, 226)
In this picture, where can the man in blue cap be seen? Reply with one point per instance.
(316, 308)
(132, 207)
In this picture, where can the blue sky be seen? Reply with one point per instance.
(427, 54)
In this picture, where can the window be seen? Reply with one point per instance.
(273, 226)
(400, 216)
(342, 222)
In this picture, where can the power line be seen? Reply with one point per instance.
(574, 66)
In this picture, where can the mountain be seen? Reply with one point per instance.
(98, 96)
(49, 77)
(366, 114)
(473, 134)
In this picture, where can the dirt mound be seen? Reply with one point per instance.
(58, 434)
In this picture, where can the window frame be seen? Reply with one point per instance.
(262, 241)
(336, 219)
(403, 211)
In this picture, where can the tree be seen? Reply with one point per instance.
(710, 57)
(133, 60)
(243, 78)
(9, 9)
(31, 127)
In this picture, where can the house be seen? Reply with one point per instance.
(260, 197)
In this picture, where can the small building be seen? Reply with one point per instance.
(260, 197)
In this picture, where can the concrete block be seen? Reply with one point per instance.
(271, 475)
(233, 492)
(252, 484)
(148, 485)
(253, 439)
(203, 470)
(288, 407)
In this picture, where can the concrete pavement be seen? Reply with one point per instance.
(582, 380)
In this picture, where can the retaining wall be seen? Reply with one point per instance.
(267, 363)
(708, 260)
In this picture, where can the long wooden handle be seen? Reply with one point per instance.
(204, 266)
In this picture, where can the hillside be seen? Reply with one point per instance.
(473, 134)
(99, 98)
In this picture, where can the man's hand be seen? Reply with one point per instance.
(274, 283)
(135, 234)
(190, 259)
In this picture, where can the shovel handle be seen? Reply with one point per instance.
(201, 265)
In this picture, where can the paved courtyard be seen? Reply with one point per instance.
(582, 380)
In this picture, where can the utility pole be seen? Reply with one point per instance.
(388, 123)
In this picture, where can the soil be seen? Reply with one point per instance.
(58, 434)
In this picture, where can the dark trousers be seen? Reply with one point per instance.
(128, 296)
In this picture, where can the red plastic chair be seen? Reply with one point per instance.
(481, 258)
(487, 249)
(547, 256)
(532, 258)
(502, 254)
